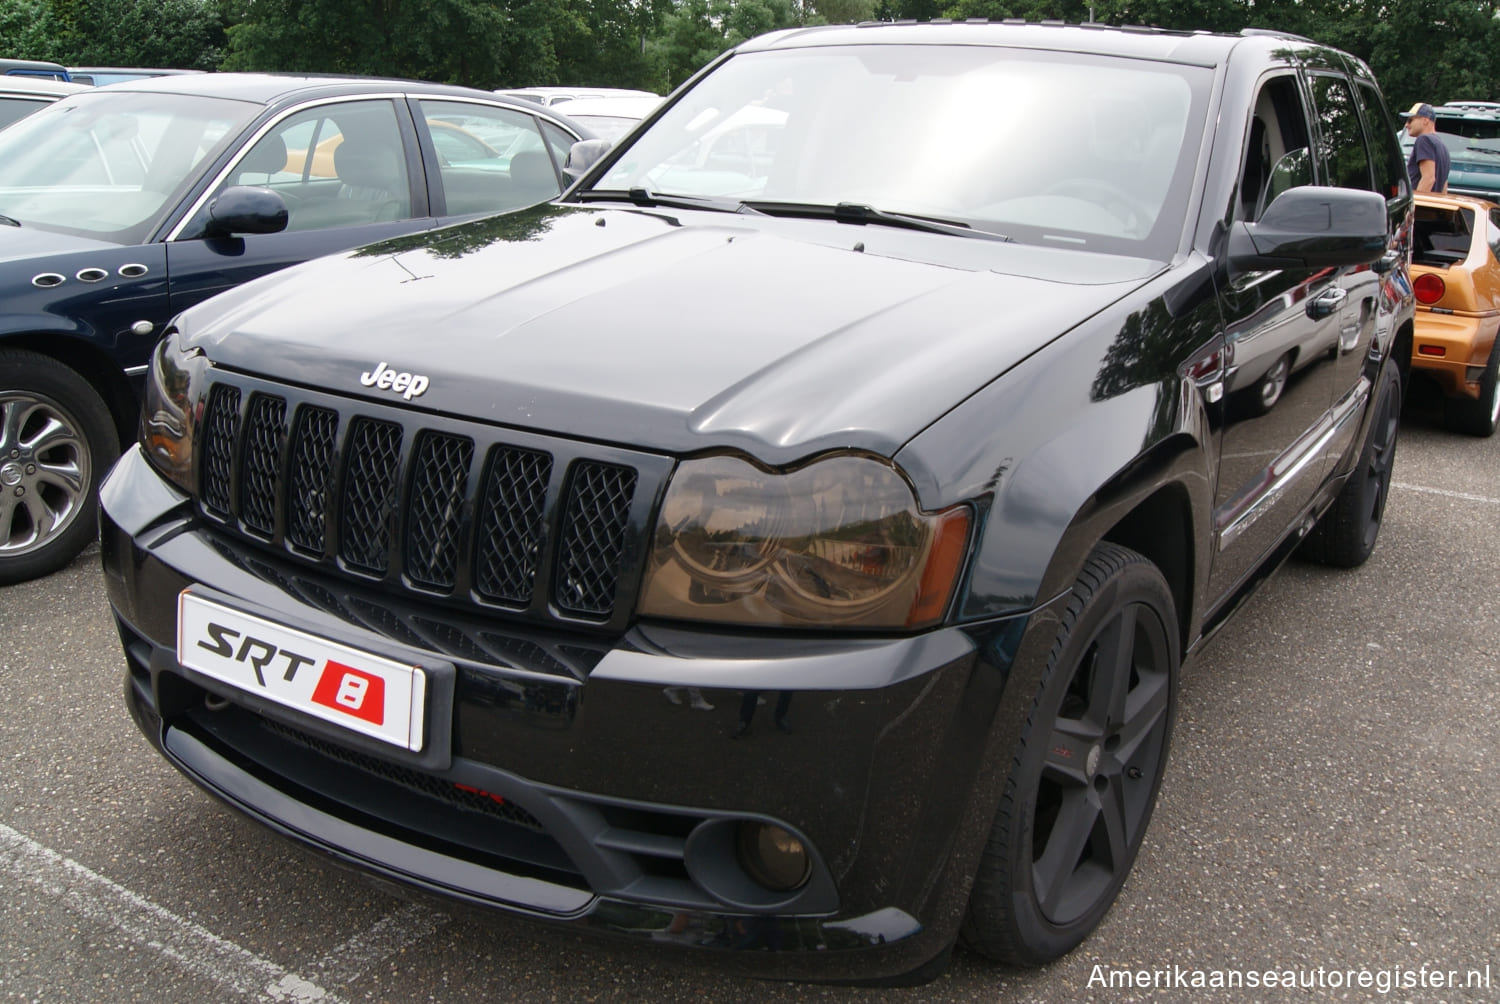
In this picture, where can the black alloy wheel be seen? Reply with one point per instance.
(1345, 535)
(1086, 773)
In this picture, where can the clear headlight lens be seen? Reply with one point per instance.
(174, 388)
(839, 542)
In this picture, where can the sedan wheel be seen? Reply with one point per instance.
(1085, 776)
(55, 437)
(1479, 417)
(1271, 386)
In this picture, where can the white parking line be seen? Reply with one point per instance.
(1464, 496)
(194, 948)
(390, 935)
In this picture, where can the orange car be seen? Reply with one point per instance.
(1456, 277)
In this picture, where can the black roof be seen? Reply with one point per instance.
(1192, 47)
(275, 88)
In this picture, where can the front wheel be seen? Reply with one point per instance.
(1085, 775)
(1345, 536)
(56, 439)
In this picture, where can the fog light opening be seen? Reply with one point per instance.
(772, 857)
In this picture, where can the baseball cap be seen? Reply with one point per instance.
(1423, 109)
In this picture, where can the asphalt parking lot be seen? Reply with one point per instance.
(1331, 808)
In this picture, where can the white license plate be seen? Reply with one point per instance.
(363, 692)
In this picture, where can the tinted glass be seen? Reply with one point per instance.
(1341, 146)
(490, 159)
(1051, 148)
(334, 165)
(12, 109)
(1389, 164)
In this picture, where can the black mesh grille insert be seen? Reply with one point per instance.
(463, 796)
(593, 537)
(221, 425)
(313, 441)
(440, 482)
(265, 435)
(459, 513)
(511, 532)
(370, 494)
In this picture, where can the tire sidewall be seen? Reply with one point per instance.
(65, 390)
(1038, 938)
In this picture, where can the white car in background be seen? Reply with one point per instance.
(557, 95)
(20, 96)
(609, 118)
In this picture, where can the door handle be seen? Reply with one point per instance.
(1327, 303)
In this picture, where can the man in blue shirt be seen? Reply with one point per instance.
(1427, 167)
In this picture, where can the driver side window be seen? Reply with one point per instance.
(334, 165)
(1278, 153)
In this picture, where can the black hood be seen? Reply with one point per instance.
(674, 332)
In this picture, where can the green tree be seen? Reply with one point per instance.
(185, 34)
(28, 30)
(482, 43)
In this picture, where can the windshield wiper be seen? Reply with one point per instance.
(8, 221)
(646, 197)
(858, 212)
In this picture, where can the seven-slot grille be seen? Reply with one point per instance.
(447, 508)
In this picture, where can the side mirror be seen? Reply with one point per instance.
(246, 210)
(585, 154)
(1312, 227)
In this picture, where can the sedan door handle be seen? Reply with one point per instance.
(1326, 303)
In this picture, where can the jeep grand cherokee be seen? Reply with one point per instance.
(790, 539)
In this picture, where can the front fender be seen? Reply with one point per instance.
(1065, 449)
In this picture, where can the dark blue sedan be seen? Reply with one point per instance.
(123, 206)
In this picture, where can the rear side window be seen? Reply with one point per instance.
(1341, 144)
(1441, 236)
(490, 159)
(1389, 164)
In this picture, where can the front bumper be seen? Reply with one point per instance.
(598, 780)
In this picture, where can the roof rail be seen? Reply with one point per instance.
(1274, 33)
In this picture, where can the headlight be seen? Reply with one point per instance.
(839, 542)
(174, 387)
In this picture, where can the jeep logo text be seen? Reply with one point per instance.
(382, 377)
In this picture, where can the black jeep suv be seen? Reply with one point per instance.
(789, 539)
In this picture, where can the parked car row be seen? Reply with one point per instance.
(123, 206)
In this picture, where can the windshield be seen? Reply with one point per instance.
(1052, 148)
(111, 165)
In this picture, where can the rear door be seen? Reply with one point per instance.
(1355, 157)
(1282, 330)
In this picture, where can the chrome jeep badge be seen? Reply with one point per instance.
(382, 377)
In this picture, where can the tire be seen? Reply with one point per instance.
(1478, 418)
(1085, 774)
(56, 440)
(1345, 535)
